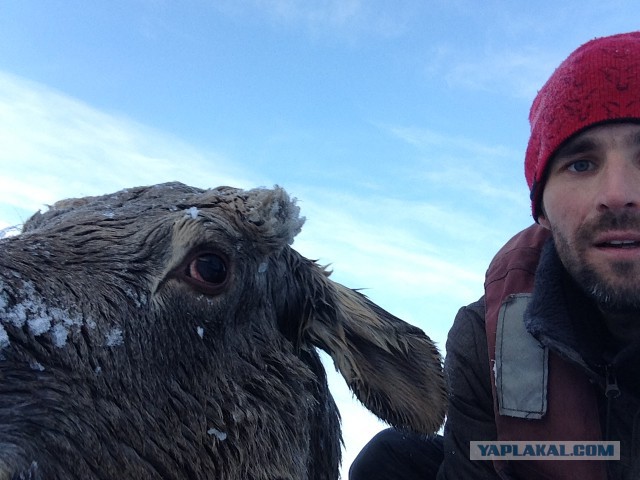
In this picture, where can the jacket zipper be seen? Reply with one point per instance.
(611, 391)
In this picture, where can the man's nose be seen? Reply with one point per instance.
(619, 185)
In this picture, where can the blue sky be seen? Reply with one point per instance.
(400, 126)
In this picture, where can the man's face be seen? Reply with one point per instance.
(591, 203)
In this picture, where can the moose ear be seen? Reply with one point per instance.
(393, 368)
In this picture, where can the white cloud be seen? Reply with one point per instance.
(521, 43)
(519, 73)
(472, 182)
(332, 12)
(467, 175)
(54, 146)
(425, 138)
(343, 18)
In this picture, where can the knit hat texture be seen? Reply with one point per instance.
(598, 83)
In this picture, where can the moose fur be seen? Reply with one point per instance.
(169, 332)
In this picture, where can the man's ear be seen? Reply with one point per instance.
(542, 218)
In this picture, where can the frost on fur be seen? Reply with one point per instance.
(171, 332)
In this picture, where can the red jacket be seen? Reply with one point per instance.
(563, 406)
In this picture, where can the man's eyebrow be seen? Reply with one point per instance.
(585, 144)
(577, 146)
(635, 139)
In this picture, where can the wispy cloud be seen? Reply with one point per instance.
(54, 146)
(427, 138)
(329, 12)
(518, 72)
(501, 193)
(344, 18)
(489, 174)
(522, 47)
(521, 73)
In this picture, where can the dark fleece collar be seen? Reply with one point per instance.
(562, 317)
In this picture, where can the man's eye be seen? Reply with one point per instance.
(580, 166)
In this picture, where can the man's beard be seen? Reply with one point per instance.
(616, 290)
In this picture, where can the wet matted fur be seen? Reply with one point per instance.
(169, 332)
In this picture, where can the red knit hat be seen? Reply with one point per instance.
(599, 82)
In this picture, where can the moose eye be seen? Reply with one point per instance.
(208, 268)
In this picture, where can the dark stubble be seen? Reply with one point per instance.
(616, 290)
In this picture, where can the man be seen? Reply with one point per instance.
(551, 352)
